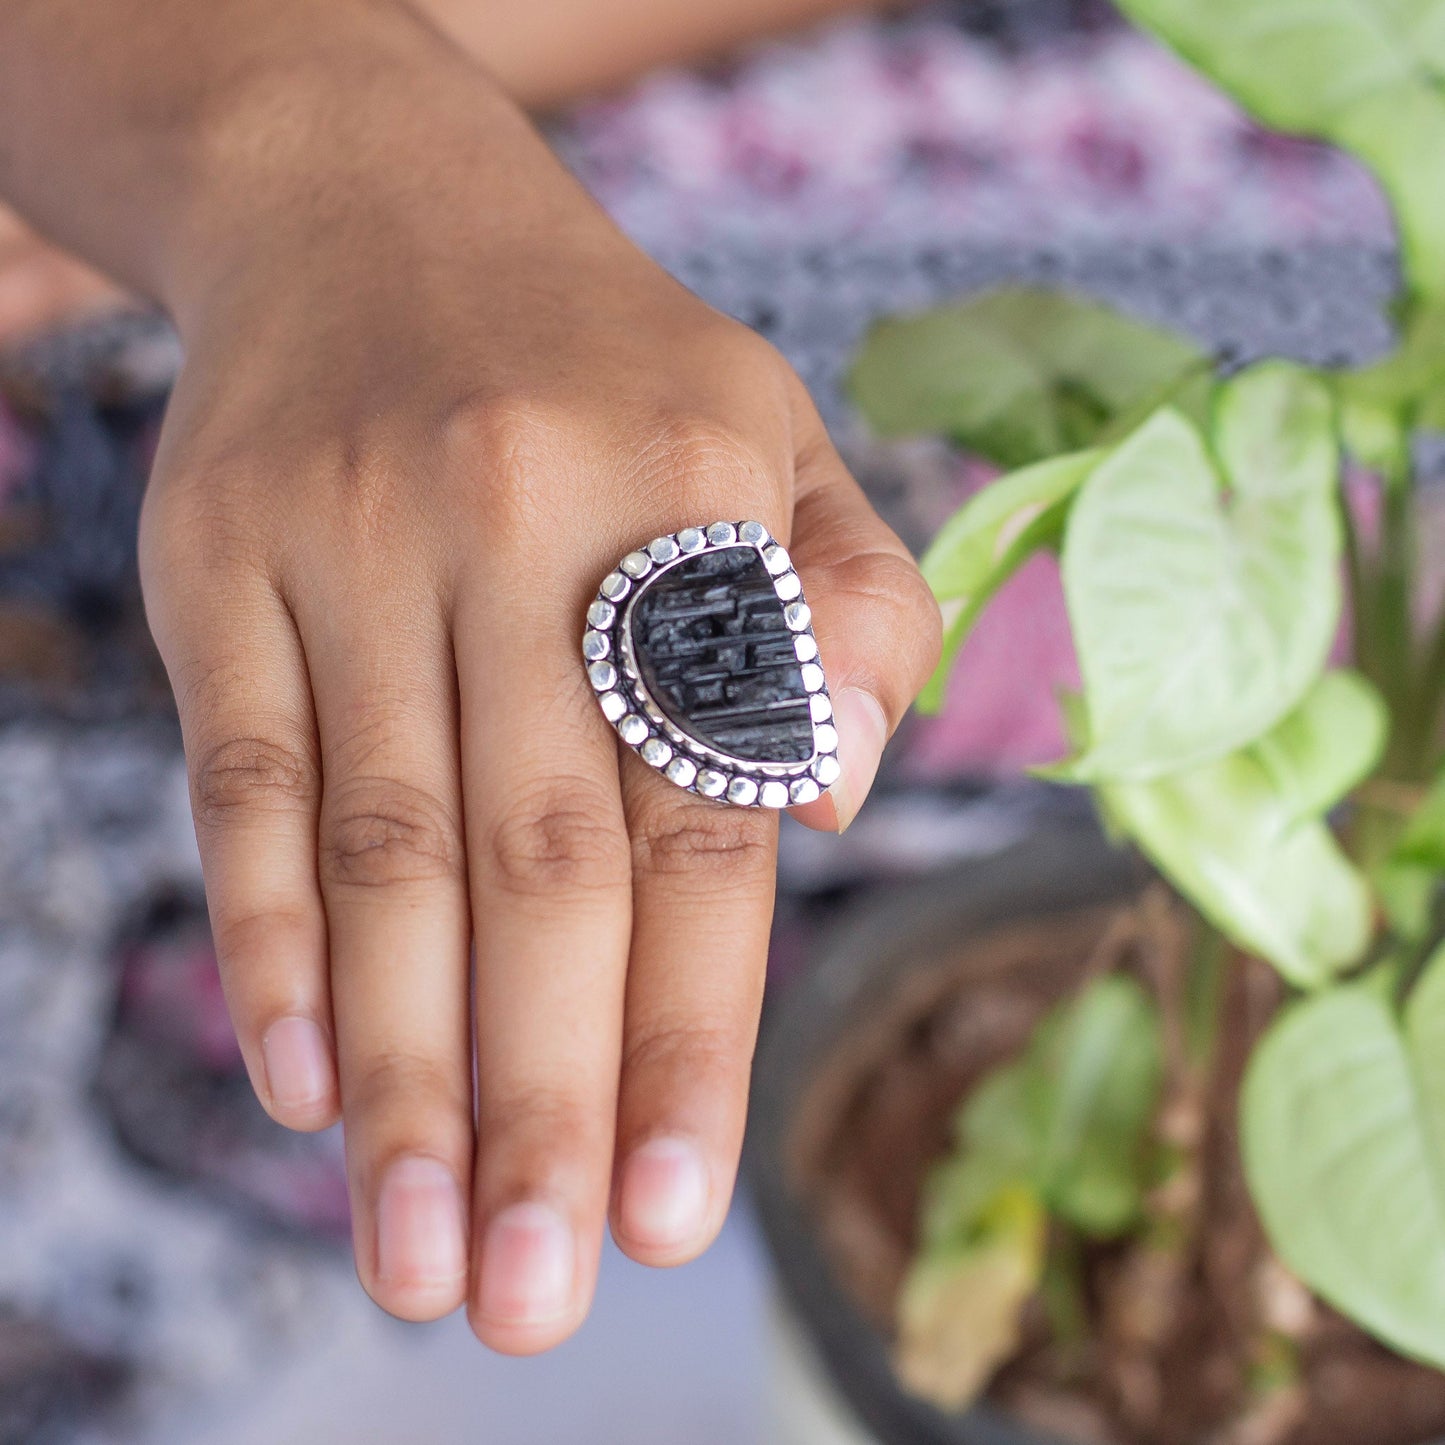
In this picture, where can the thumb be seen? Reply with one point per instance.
(877, 623)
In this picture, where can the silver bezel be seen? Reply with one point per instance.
(643, 725)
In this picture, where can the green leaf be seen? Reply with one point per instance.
(960, 1306)
(1365, 74)
(1069, 1118)
(1202, 616)
(1410, 877)
(1399, 133)
(1407, 895)
(1242, 837)
(1100, 1056)
(1423, 841)
(1343, 1119)
(1061, 1129)
(1412, 372)
(1382, 404)
(1017, 375)
(988, 539)
(1431, 415)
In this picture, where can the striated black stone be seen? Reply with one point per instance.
(716, 654)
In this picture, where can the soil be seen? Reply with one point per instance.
(1184, 1346)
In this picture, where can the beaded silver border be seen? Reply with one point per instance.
(686, 761)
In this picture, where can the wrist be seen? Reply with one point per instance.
(178, 147)
(361, 141)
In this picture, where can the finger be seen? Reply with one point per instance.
(877, 623)
(550, 870)
(240, 682)
(391, 863)
(703, 883)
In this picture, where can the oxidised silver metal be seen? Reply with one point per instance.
(661, 739)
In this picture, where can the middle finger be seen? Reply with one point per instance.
(550, 874)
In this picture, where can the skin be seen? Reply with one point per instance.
(542, 54)
(430, 396)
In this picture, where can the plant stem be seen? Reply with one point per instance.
(1360, 595)
(1204, 995)
(1393, 624)
(1432, 695)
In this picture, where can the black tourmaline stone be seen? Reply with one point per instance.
(716, 654)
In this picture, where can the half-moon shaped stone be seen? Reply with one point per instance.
(716, 654)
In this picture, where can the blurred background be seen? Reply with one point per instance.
(174, 1268)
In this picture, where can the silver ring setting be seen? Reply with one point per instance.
(700, 650)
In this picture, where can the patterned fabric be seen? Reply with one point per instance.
(1055, 124)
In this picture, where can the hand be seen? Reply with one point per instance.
(430, 397)
(41, 287)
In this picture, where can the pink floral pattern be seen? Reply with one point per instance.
(926, 130)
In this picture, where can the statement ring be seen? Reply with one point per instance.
(700, 649)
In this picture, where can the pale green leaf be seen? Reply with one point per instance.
(1202, 615)
(1399, 133)
(960, 1307)
(1365, 74)
(1343, 1119)
(975, 542)
(1017, 375)
(1375, 435)
(986, 541)
(1331, 742)
(1425, 1030)
(1242, 837)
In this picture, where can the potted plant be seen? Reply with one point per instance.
(1180, 1174)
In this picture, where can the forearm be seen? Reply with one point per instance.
(549, 51)
(145, 134)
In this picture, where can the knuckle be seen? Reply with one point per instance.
(495, 427)
(893, 589)
(732, 846)
(534, 1134)
(380, 832)
(408, 1083)
(557, 841)
(242, 775)
(244, 935)
(498, 443)
(689, 1050)
(544, 1109)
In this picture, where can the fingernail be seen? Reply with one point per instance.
(862, 734)
(421, 1226)
(528, 1263)
(299, 1072)
(664, 1195)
